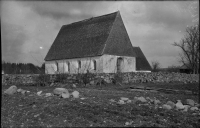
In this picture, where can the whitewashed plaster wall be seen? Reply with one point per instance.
(110, 64)
(71, 65)
(104, 64)
(129, 64)
(50, 67)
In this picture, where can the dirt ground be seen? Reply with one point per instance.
(94, 108)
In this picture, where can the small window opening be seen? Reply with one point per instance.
(57, 69)
(68, 64)
(79, 64)
(95, 64)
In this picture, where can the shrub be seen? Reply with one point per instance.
(87, 77)
(61, 78)
(117, 78)
(84, 78)
(42, 80)
(100, 82)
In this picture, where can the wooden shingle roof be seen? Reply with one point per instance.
(92, 37)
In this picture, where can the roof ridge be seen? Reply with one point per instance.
(109, 32)
(91, 18)
(103, 15)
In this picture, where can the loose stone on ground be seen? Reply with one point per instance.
(190, 102)
(11, 90)
(75, 94)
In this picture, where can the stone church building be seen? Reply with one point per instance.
(98, 45)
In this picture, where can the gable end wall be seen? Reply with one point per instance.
(110, 63)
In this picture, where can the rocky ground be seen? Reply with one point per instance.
(104, 106)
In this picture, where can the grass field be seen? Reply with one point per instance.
(96, 110)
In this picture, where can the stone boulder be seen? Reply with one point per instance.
(186, 108)
(39, 93)
(124, 98)
(52, 84)
(193, 108)
(179, 105)
(128, 101)
(197, 105)
(92, 82)
(121, 102)
(59, 91)
(156, 102)
(11, 90)
(48, 94)
(19, 90)
(23, 92)
(111, 100)
(73, 85)
(190, 102)
(168, 107)
(75, 94)
(65, 95)
(141, 99)
(170, 103)
(149, 99)
(107, 80)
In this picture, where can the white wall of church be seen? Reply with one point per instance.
(50, 67)
(129, 64)
(102, 64)
(110, 64)
(74, 66)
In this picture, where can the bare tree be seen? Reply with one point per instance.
(189, 45)
(155, 66)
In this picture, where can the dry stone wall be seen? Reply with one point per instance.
(133, 77)
(141, 77)
(19, 78)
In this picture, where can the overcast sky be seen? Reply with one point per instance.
(28, 29)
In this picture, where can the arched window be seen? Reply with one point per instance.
(119, 64)
(66, 67)
(79, 64)
(95, 64)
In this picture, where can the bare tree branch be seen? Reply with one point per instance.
(155, 66)
(189, 45)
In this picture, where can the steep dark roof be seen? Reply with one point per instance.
(141, 61)
(92, 37)
(118, 42)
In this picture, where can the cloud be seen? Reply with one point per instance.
(59, 9)
(12, 39)
(153, 26)
(170, 13)
(24, 31)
